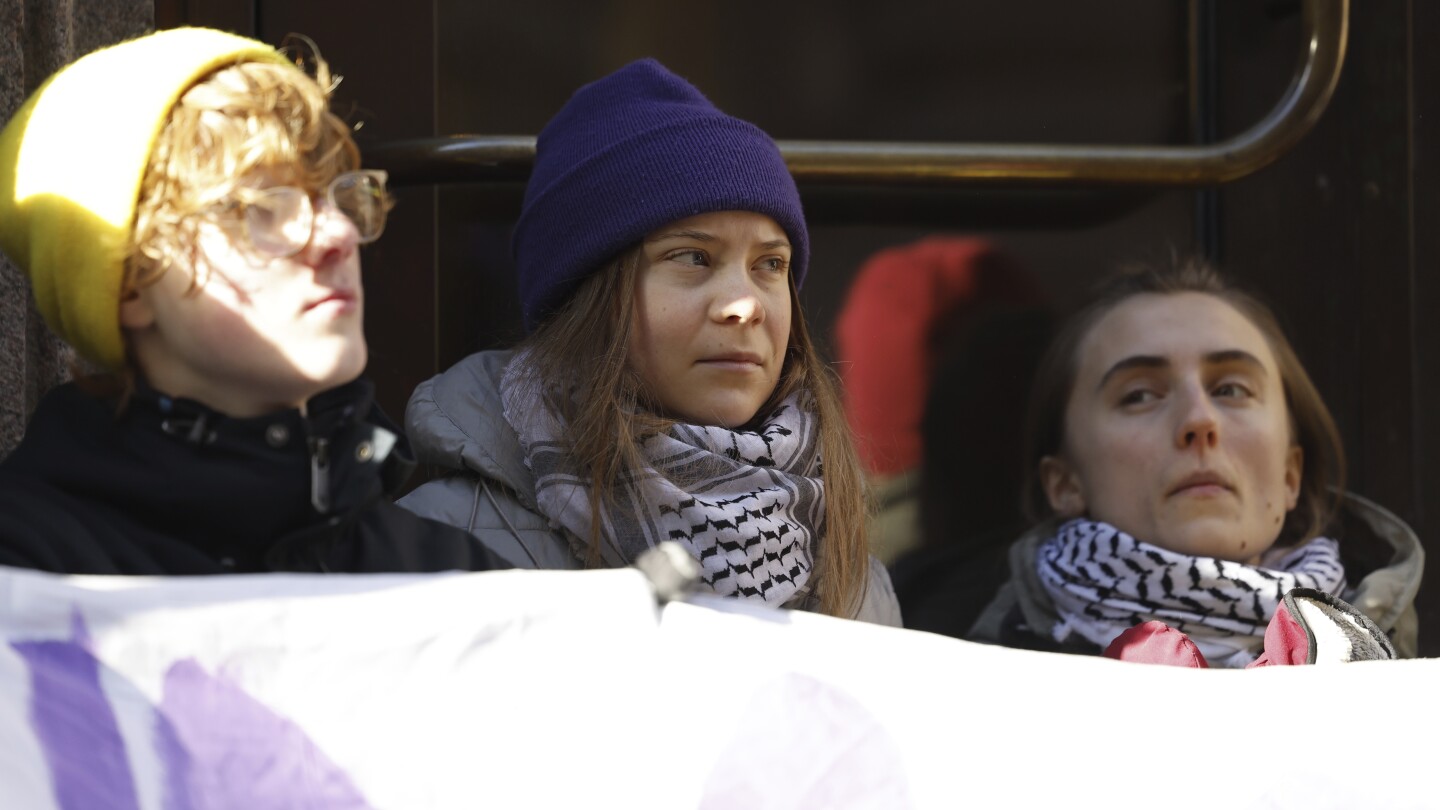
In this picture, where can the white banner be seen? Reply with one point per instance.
(572, 689)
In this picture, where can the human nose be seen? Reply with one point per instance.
(332, 235)
(736, 300)
(1198, 426)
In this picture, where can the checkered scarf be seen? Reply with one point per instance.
(748, 504)
(1103, 581)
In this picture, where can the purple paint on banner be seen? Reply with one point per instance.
(244, 755)
(171, 751)
(75, 724)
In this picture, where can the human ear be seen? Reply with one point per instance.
(1294, 465)
(135, 311)
(1062, 487)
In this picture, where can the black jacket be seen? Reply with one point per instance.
(172, 487)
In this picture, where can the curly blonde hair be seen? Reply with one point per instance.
(242, 119)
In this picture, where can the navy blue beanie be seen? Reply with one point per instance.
(627, 154)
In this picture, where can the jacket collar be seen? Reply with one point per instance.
(228, 486)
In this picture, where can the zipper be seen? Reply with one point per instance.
(320, 474)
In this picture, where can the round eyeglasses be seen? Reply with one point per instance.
(280, 220)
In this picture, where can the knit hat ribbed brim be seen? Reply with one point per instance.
(627, 154)
(72, 160)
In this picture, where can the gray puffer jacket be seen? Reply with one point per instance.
(456, 422)
(1383, 562)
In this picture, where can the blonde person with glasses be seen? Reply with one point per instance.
(189, 213)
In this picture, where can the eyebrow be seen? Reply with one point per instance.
(699, 236)
(1223, 357)
(702, 236)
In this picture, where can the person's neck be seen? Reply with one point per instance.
(229, 403)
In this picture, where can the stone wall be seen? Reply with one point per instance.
(37, 37)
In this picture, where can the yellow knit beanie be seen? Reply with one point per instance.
(71, 163)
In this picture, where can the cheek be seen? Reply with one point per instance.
(779, 310)
(649, 356)
(780, 330)
(237, 312)
(642, 337)
(1272, 454)
(1112, 463)
(218, 321)
(664, 323)
(239, 306)
(230, 280)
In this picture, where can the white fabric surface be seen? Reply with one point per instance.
(565, 689)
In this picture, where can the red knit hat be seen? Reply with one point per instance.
(902, 299)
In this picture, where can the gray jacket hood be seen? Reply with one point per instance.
(456, 422)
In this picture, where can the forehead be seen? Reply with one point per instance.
(1179, 327)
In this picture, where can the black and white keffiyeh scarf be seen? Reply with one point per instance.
(748, 504)
(1103, 581)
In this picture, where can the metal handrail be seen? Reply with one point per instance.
(476, 158)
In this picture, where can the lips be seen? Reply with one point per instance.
(1200, 480)
(736, 358)
(341, 298)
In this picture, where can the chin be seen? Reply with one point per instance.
(738, 417)
(1220, 543)
(726, 414)
(716, 420)
(347, 373)
(337, 370)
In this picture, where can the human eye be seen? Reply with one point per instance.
(773, 264)
(1231, 389)
(272, 208)
(1138, 396)
(688, 256)
(361, 197)
(1139, 391)
(278, 220)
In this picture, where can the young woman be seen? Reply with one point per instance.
(668, 389)
(1188, 472)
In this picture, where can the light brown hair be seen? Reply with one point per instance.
(1312, 427)
(608, 412)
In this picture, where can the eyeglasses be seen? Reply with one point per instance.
(280, 220)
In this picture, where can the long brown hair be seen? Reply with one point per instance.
(607, 411)
(1312, 427)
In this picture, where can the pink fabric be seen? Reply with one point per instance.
(1286, 643)
(885, 334)
(1155, 642)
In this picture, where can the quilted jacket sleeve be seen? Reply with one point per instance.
(496, 517)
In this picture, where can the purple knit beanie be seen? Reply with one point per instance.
(627, 154)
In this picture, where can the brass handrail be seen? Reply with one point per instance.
(477, 158)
